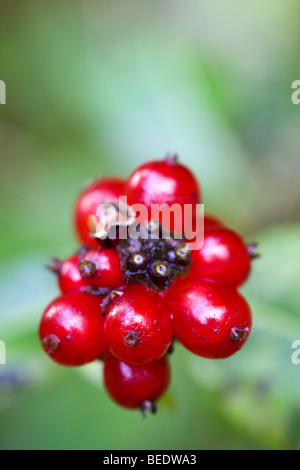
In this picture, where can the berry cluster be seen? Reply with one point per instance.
(125, 300)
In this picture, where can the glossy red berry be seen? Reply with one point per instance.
(71, 329)
(102, 190)
(201, 225)
(101, 268)
(212, 222)
(138, 326)
(135, 386)
(210, 319)
(224, 258)
(68, 274)
(164, 182)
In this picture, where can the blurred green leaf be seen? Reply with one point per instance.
(258, 389)
(276, 273)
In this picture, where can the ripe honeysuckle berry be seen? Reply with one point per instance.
(135, 386)
(210, 319)
(154, 262)
(71, 329)
(138, 326)
(207, 222)
(101, 268)
(224, 258)
(94, 194)
(164, 182)
(211, 222)
(68, 273)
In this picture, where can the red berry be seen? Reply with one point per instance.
(138, 326)
(102, 190)
(135, 386)
(71, 329)
(210, 319)
(101, 268)
(211, 222)
(164, 181)
(68, 274)
(224, 258)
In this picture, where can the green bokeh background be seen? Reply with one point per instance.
(98, 87)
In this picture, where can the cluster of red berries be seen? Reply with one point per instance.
(126, 301)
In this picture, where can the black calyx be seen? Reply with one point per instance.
(154, 259)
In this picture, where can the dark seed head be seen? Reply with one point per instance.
(183, 255)
(137, 262)
(237, 333)
(160, 274)
(132, 338)
(153, 262)
(87, 268)
(160, 269)
(51, 342)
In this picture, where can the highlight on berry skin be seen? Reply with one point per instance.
(136, 285)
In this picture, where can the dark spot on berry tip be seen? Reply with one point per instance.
(252, 250)
(132, 338)
(87, 268)
(183, 255)
(54, 265)
(161, 268)
(147, 405)
(237, 333)
(137, 262)
(51, 343)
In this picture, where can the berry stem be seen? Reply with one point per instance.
(171, 159)
(252, 250)
(54, 265)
